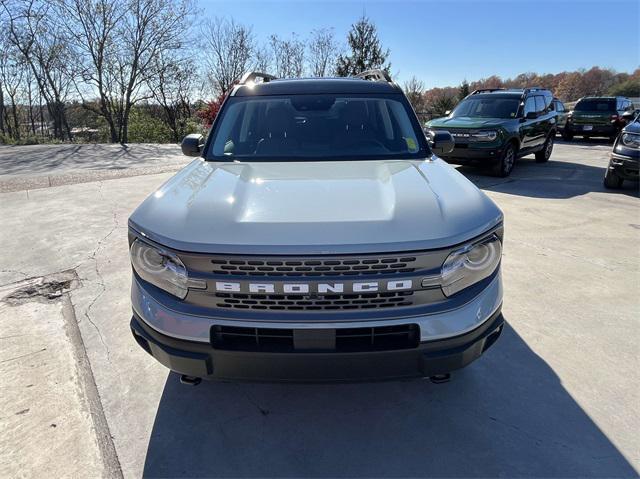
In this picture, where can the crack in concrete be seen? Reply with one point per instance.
(23, 355)
(100, 278)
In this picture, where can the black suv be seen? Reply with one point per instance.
(625, 157)
(495, 126)
(598, 116)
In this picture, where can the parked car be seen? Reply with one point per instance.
(494, 127)
(316, 237)
(595, 116)
(561, 119)
(624, 163)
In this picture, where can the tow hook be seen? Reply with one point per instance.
(440, 378)
(190, 380)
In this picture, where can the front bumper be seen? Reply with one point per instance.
(471, 153)
(447, 340)
(625, 167)
(428, 359)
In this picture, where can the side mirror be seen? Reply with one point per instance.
(628, 115)
(441, 142)
(532, 115)
(192, 144)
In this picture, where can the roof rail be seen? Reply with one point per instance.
(485, 90)
(375, 75)
(251, 76)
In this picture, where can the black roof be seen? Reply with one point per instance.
(603, 97)
(510, 92)
(316, 85)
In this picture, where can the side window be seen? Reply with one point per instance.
(529, 105)
(560, 106)
(540, 105)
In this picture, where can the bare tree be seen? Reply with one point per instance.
(93, 28)
(323, 52)
(288, 56)
(261, 59)
(414, 90)
(11, 79)
(228, 51)
(171, 86)
(42, 46)
(121, 41)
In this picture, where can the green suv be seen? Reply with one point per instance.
(598, 116)
(494, 127)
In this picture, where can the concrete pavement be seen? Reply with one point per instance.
(556, 396)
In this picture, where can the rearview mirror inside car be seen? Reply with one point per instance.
(192, 144)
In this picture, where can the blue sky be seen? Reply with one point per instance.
(443, 42)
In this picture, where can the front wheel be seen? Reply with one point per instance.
(611, 180)
(543, 155)
(505, 165)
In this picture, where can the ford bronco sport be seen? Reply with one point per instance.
(316, 237)
(597, 116)
(493, 127)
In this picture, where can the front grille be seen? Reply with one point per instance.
(314, 267)
(314, 303)
(381, 338)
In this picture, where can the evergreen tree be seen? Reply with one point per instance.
(463, 90)
(366, 51)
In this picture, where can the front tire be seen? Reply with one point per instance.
(504, 166)
(611, 180)
(543, 155)
(567, 135)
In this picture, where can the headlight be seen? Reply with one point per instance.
(470, 264)
(631, 140)
(485, 135)
(160, 268)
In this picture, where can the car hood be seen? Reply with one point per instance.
(466, 122)
(315, 207)
(633, 127)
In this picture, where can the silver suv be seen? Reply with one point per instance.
(317, 237)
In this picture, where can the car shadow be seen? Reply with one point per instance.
(554, 179)
(507, 414)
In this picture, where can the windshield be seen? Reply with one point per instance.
(596, 105)
(316, 127)
(494, 107)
